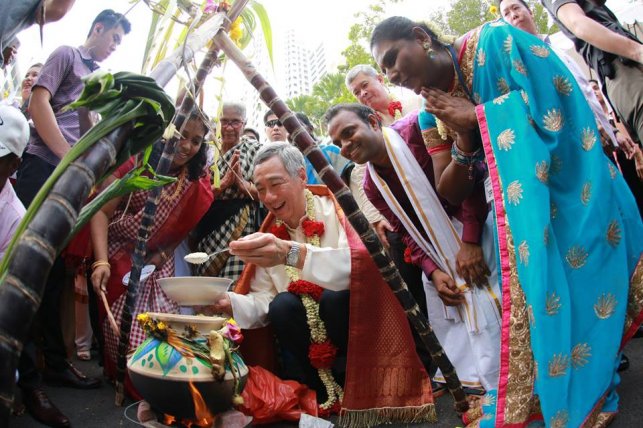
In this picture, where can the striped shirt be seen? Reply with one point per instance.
(61, 76)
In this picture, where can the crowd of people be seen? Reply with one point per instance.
(494, 188)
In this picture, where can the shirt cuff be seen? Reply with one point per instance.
(471, 232)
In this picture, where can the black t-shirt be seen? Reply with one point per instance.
(599, 60)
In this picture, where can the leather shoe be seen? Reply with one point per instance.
(42, 409)
(71, 377)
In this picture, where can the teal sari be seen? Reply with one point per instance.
(568, 231)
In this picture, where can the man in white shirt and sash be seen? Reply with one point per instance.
(306, 271)
(465, 317)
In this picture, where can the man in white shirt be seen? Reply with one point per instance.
(14, 135)
(297, 279)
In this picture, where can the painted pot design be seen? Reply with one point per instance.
(172, 383)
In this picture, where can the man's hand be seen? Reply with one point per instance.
(638, 162)
(446, 288)
(470, 264)
(263, 249)
(626, 144)
(381, 227)
(222, 305)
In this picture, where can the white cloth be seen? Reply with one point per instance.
(328, 266)
(469, 332)
(357, 189)
(11, 212)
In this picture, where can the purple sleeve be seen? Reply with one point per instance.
(473, 214)
(55, 69)
(418, 256)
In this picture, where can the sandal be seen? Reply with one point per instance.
(84, 355)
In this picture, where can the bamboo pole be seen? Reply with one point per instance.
(149, 210)
(22, 287)
(389, 272)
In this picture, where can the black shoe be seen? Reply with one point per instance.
(42, 409)
(624, 364)
(71, 377)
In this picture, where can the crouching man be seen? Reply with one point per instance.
(307, 271)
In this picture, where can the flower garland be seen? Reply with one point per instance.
(395, 109)
(321, 352)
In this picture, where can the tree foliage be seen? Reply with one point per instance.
(464, 15)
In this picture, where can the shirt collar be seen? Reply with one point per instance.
(87, 58)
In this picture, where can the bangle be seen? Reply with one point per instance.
(466, 159)
(101, 263)
(163, 256)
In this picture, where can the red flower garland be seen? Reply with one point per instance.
(394, 106)
(407, 256)
(301, 287)
(280, 231)
(312, 228)
(322, 355)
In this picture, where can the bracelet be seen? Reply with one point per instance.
(164, 256)
(101, 263)
(466, 159)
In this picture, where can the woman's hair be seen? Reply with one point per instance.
(196, 165)
(290, 156)
(401, 28)
(38, 64)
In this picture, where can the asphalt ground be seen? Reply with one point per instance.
(95, 408)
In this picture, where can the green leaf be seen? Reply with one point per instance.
(262, 14)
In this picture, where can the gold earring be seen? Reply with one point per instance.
(429, 50)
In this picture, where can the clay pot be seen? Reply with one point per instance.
(169, 381)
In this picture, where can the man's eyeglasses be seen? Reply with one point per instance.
(273, 122)
(235, 123)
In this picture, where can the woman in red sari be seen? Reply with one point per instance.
(115, 227)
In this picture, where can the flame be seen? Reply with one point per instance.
(203, 417)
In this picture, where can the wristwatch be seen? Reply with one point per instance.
(293, 255)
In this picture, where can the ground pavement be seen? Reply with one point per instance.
(95, 408)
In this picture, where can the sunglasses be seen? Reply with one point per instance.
(272, 123)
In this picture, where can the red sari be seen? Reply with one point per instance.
(181, 206)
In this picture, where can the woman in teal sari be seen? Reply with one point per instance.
(568, 232)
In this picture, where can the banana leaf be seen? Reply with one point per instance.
(119, 98)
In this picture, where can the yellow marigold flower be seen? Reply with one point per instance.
(231, 321)
(161, 325)
(236, 32)
(493, 9)
(144, 317)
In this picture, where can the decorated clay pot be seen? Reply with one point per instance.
(176, 384)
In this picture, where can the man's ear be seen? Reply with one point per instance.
(374, 121)
(302, 175)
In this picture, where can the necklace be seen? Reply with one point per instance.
(321, 352)
(178, 190)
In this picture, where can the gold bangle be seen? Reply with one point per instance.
(164, 256)
(100, 263)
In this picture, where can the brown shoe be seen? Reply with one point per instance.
(71, 377)
(42, 409)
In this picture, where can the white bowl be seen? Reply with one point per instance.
(194, 290)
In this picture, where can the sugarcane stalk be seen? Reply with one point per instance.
(149, 210)
(23, 284)
(387, 268)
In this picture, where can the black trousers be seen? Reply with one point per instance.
(47, 329)
(288, 318)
